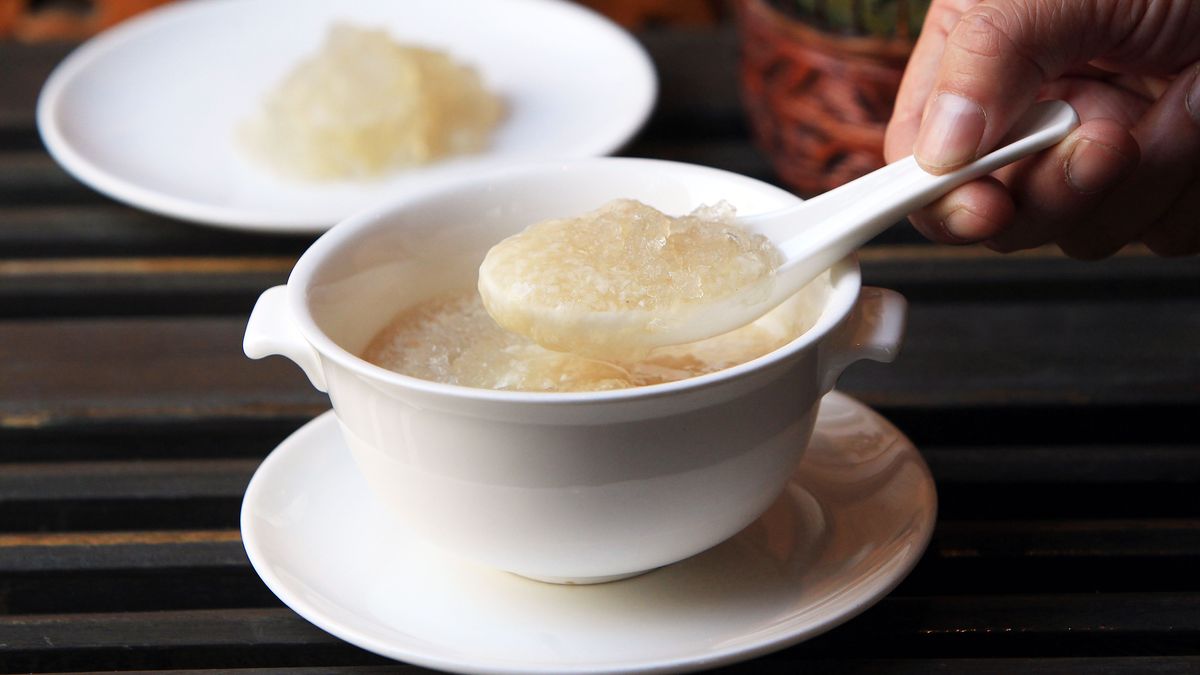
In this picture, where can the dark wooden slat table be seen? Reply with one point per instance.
(1055, 401)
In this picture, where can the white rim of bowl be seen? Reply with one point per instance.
(846, 281)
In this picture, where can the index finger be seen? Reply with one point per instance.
(920, 74)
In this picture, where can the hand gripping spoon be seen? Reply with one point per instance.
(811, 236)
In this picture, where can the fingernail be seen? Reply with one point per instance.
(1093, 167)
(1192, 101)
(956, 224)
(951, 133)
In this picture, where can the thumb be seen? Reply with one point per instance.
(996, 58)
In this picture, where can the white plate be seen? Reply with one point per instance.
(146, 112)
(852, 523)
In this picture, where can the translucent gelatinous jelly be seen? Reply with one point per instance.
(365, 104)
(452, 339)
(625, 260)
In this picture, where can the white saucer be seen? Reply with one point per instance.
(850, 526)
(146, 112)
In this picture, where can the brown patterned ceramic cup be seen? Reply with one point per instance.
(819, 80)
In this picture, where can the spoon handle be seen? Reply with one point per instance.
(848, 216)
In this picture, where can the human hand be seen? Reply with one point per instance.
(1130, 172)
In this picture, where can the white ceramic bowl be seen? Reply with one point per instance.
(566, 487)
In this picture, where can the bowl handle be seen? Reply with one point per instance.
(272, 330)
(874, 330)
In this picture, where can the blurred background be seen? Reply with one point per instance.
(817, 77)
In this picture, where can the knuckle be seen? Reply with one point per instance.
(943, 16)
(982, 32)
(1004, 31)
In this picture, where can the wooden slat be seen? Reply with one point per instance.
(158, 629)
(127, 571)
(175, 494)
(136, 286)
(100, 551)
(109, 229)
(126, 480)
(32, 177)
(166, 369)
(83, 270)
(224, 639)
